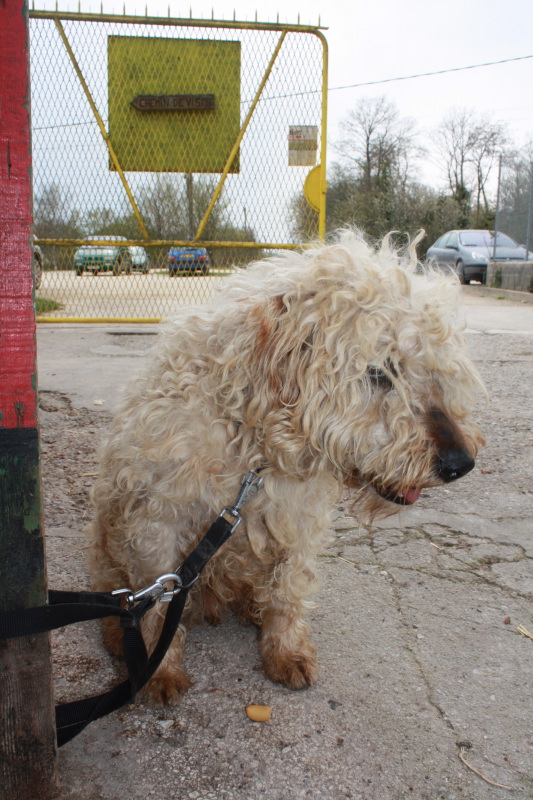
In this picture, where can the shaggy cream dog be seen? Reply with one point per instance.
(340, 366)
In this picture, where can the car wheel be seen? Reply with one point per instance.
(79, 271)
(460, 267)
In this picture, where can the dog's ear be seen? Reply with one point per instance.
(282, 345)
(268, 315)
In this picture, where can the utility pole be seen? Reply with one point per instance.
(190, 204)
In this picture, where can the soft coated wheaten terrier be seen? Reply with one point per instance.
(339, 366)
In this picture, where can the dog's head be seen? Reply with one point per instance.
(355, 363)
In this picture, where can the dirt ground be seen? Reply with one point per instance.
(391, 712)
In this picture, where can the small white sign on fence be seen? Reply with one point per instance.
(303, 145)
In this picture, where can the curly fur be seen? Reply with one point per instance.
(342, 365)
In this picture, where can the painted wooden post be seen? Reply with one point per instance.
(27, 732)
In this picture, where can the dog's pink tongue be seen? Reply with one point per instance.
(411, 495)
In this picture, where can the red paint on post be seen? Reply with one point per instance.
(17, 316)
(27, 734)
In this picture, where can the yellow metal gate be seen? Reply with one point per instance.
(166, 153)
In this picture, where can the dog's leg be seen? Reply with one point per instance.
(281, 589)
(284, 641)
(170, 681)
(106, 577)
(287, 653)
(293, 533)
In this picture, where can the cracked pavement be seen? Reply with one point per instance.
(415, 624)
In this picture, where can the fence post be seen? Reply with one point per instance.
(529, 211)
(27, 732)
(497, 214)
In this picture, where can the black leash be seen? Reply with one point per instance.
(67, 608)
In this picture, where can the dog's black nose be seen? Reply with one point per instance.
(453, 464)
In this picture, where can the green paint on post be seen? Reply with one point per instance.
(22, 571)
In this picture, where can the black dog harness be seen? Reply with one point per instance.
(66, 608)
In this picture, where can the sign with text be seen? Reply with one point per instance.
(303, 145)
(174, 104)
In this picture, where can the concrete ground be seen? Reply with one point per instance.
(425, 687)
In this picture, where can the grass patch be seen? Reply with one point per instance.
(44, 305)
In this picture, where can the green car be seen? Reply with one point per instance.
(113, 257)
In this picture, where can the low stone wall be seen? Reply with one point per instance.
(515, 275)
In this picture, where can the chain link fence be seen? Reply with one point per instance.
(514, 207)
(514, 218)
(166, 153)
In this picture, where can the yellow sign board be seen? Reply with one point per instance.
(197, 139)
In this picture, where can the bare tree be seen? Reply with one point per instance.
(468, 145)
(370, 183)
(377, 144)
(488, 144)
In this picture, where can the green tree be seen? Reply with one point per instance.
(108, 222)
(225, 257)
(55, 218)
(173, 206)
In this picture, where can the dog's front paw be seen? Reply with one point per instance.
(294, 670)
(165, 688)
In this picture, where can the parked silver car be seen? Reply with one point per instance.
(139, 259)
(469, 252)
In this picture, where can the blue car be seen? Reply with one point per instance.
(469, 252)
(187, 260)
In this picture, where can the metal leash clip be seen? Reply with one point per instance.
(251, 483)
(156, 591)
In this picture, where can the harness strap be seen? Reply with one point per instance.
(218, 533)
(66, 608)
(72, 718)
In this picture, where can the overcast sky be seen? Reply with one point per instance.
(376, 40)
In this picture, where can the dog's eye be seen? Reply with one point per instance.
(378, 378)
